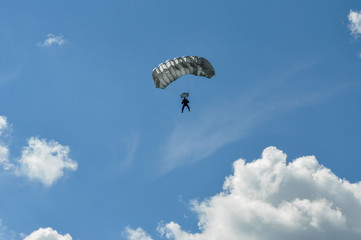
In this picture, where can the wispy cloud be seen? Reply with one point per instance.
(52, 40)
(355, 22)
(271, 199)
(8, 77)
(231, 120)
(130, 147)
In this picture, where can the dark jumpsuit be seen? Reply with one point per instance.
(185, 104)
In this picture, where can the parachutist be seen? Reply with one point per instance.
(185, 104)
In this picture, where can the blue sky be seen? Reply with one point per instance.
(90, 149)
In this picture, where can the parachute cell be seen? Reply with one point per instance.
(172, 69)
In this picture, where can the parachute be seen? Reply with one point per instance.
(173, 69)
(184, 95)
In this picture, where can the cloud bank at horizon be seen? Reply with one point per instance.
(270, 199)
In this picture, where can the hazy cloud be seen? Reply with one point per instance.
(45, 161)
(130, 146)
(6, 77)
(355, 22)
(270, 199)
(47, 234)
(52, 40)
(232, 119)
(5, 233)
(199, 137)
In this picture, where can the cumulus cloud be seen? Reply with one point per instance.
(136, 234)
(52, 40)
(355, 22)
(40, 160)
(270, 199)
(47, 234)
(45, 160)
(40, 234)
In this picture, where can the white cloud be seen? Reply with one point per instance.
(355, 22)
(52, 40)
(4, 158)
(4, 150)
(3, 124)
(45, 161)
(40, 160)
(4, 154)
(270, 199)
(40, 234)
(136, 234)
(47, 234)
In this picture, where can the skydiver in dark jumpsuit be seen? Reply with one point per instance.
(185, 104)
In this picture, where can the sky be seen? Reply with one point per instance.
(90, 149)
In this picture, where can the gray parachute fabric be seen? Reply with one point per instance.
(173, 69)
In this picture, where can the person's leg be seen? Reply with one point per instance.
(183, 108)
(188, 108)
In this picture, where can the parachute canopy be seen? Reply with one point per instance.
(184, 95)
(172, 69)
